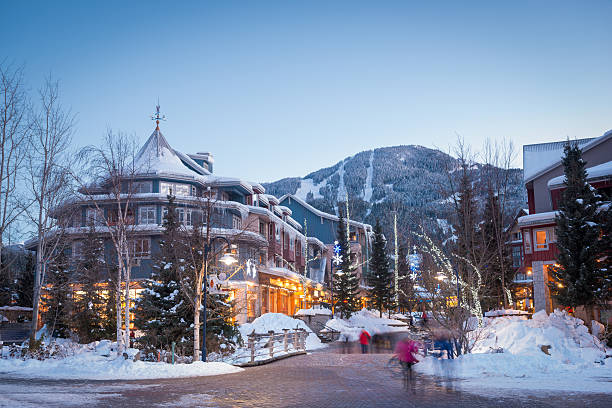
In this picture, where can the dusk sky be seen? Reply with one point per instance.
(280, 89)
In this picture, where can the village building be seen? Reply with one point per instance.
(544, 181)
(283, 256)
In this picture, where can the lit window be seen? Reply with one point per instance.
(541, 242)
(147, 215)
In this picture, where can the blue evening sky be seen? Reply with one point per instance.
(279, 89)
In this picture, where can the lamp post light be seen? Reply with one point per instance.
(227, 259)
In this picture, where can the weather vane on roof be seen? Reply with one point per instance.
(157, 116)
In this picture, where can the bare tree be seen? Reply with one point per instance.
(110, 186)
(48, 181)
(498, 157)
(14, 132)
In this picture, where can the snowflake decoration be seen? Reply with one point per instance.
(337, 259)
(337, 248)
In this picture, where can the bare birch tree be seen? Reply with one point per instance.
(14, 132)
(110, 188)
(48, 181)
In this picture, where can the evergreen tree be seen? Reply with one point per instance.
(109, 311)
(25, 283)
(346, 282)
(380, 278)
(162, 312)
(6, 281)
(89, 305)
(579, 278)
(59, 297)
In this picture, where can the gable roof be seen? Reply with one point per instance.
(541, 158)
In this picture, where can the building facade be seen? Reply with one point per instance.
(544, 181)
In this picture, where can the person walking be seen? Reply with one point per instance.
(364, 340)
(406, 351)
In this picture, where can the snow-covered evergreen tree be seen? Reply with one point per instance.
(25, 283)
(162, 312)
(346, 282)
(579, 277)
(381, 279)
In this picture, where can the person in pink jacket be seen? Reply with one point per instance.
(406, 351)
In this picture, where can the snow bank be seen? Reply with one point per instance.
(568, 338)
(575, 360)
(368, 320)
(313, 312)
(278, 322)
(95, 361)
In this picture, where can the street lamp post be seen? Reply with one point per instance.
(227, 259)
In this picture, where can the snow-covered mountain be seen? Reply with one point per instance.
(408, 179)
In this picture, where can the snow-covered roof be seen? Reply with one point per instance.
(285, 210)
(538, 218)
(321, 213)
(317, 241)
(603, 170)
(272, 199)
(156, 156)
(543, 157)
(257, 188)
(262, 198)
(294, 223)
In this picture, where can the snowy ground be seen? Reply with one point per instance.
(576, 361)
(368, 320)
(95, 361)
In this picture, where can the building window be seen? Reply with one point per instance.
(147, 215)
(541, 240)
(263, 229)
(140, 248)
(77, 250)
(184, 216)
(236, 222)
(176, 189)
(142, 187)
(517, 256)
(527, 243)
(277, 232)
(291, 243)
(95, 216)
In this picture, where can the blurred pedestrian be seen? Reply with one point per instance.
(364, 340)
(406, 351)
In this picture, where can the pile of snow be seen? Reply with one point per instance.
(569, 339)
(506, 312)
(367, 320)
(313, 311)
(97, 361)
(548, 352)
(277, 322)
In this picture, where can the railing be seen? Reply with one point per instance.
(271, 344)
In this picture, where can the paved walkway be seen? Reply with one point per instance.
(321, 379)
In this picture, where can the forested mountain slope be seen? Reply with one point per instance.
(412, 180)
